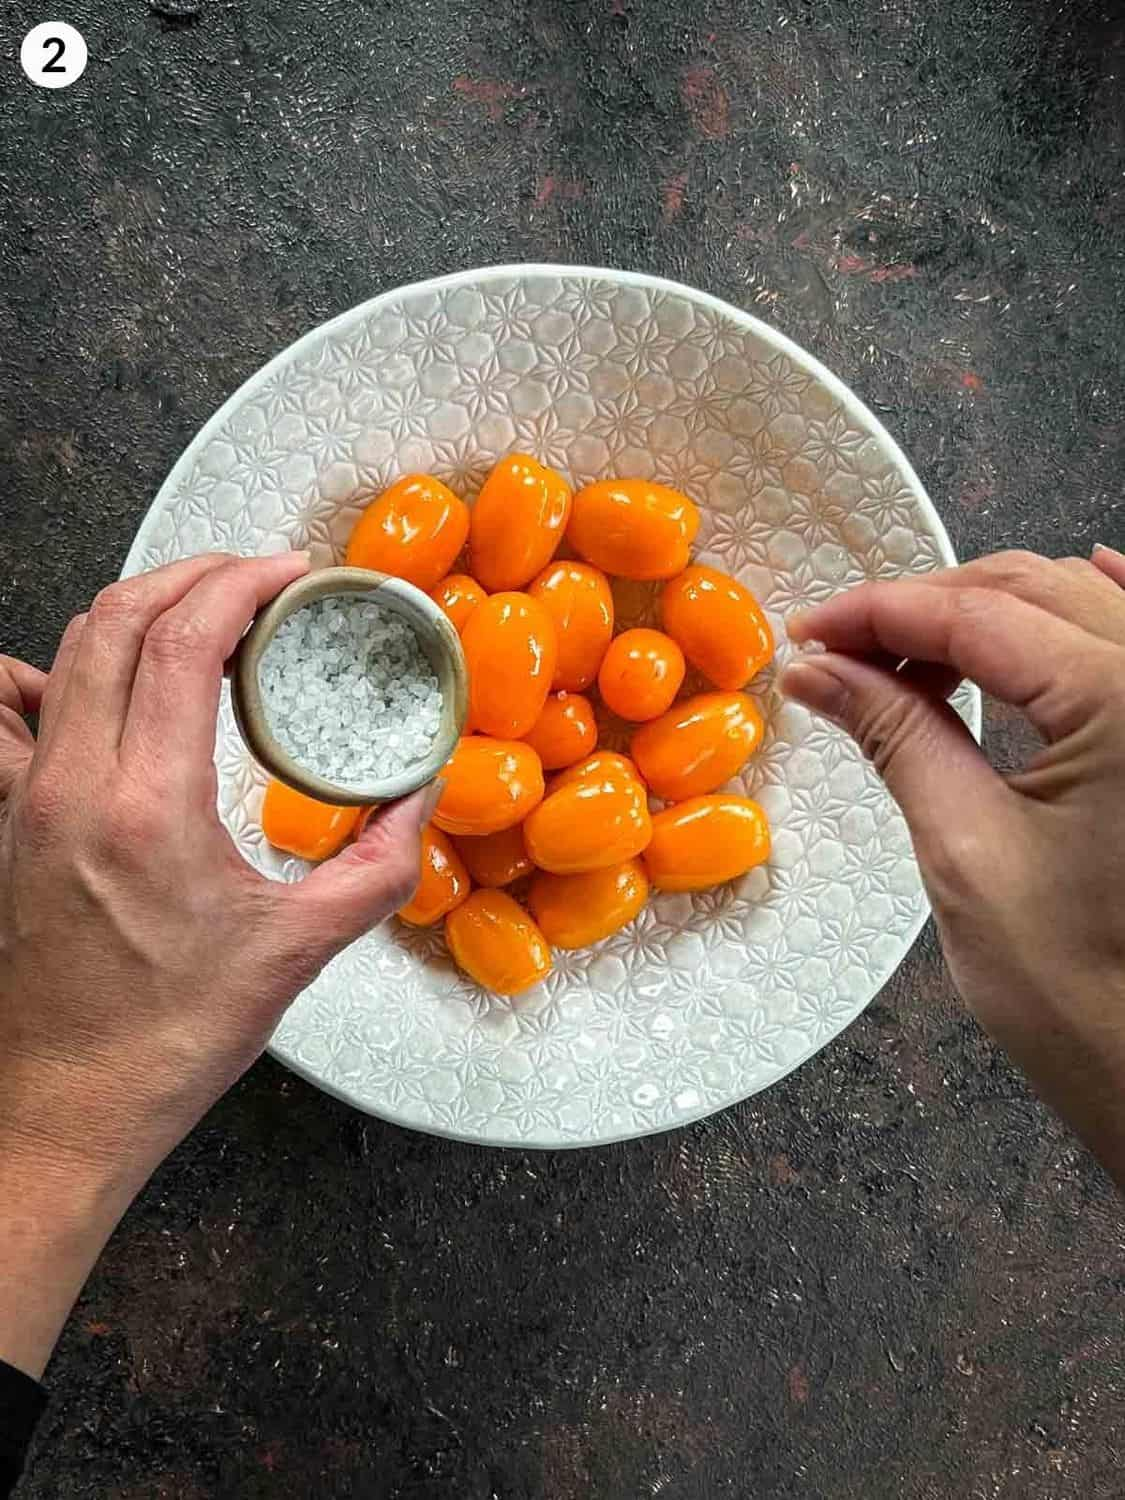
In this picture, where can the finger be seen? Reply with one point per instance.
(21, 686)
(929, 761)
(50, 704)
(1023, 655)
(100, 683)
(17, 746)
(1110, 563)
(175, 695)
(373, 877)
(21, 692)
(1070, 588)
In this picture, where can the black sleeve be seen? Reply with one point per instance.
(21, 1405)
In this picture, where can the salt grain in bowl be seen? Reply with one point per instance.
(348, 691)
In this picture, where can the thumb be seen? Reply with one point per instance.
(347, 896)
(931, 764)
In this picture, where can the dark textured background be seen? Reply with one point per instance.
(892, 1277)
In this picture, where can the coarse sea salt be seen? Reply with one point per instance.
(349, 692)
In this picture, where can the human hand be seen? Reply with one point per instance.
(1026, 872)
(143, 963)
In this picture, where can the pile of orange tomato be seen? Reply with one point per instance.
(538, 634)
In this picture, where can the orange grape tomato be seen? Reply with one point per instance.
(698, 744)
(578, 599)
(641, 674)
(719, 624)
(444, 881)
(588, 824)
(600, 765)
(458, 595)
(565, 731)
(577, 910)
(300, 825)
(413, 530)
(496, 943)
(509, 644)
(496, 858)
(489, 785)
(706, 841)
(633, 528)
(517, 522)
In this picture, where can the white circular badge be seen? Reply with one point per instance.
(53, 54)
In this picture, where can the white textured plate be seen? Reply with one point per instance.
(703, 999)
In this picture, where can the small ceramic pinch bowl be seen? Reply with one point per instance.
(436, 636)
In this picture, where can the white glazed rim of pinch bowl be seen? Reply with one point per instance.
(436, 636)
(480, 278)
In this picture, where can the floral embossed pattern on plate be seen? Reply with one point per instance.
(703, 1000)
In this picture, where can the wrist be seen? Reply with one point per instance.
(94, 1128)
(56, 1214)
(1066, 1030)
(53, 1227)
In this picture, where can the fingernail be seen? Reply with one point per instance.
(817, 687)
(432, 798)
(1101, 547)
(811, 648)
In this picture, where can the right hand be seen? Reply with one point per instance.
(1026, 872)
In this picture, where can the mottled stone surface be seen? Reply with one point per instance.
(894, 1275)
